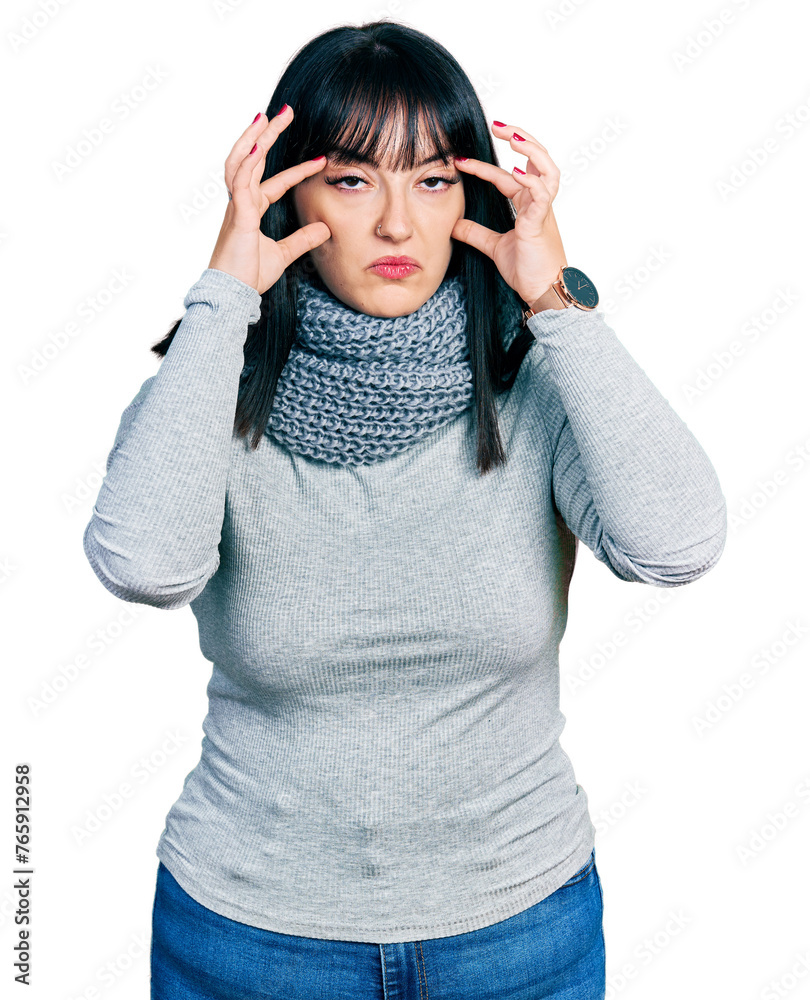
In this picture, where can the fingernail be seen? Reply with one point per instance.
(321, 157)
(255, 146)
(519, 170)
(502, 124)
(258, 116)
(518, 137)
(462, 158)
(282, 111)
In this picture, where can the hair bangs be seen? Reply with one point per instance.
(383, 126)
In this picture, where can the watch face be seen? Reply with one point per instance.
(580, 287)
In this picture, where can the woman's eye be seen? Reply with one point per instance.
(354, 187)
(346, 177)
(442, 179)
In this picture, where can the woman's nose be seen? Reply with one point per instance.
(395, 222)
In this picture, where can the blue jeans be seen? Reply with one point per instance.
(554, 950)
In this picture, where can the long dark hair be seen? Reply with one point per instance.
(343, 87)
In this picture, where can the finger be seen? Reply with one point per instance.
(241, 147)
(541, 197)
(306, 238)
(274, 187)
(540, 162)
(263, 132)
(503, 180)
(239, 187)
(477, 236)
(507, 131)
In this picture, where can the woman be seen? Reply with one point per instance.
(369, 481)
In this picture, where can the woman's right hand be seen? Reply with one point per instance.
(242, 249)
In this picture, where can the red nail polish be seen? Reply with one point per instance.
(519, 170)
(461, 159)
(255, 145)
(258, 116)
(282, 111)
(518, 137)
(502, 124)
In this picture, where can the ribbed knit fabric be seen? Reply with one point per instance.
(381, 759)
(357, 389)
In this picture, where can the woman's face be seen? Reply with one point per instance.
(416, 213)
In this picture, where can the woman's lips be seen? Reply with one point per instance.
(394, 270)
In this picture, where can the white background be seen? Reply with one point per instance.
(686, 202)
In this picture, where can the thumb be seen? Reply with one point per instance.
(477, 236)
(306, 238)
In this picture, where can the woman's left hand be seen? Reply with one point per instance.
(529, 256)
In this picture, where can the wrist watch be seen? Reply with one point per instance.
(573, 288)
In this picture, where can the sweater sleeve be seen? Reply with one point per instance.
(154, 534)
(629, 478)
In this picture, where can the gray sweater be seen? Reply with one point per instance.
(381, 759)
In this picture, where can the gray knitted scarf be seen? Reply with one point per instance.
(357, 389)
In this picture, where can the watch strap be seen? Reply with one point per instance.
(562, 295)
